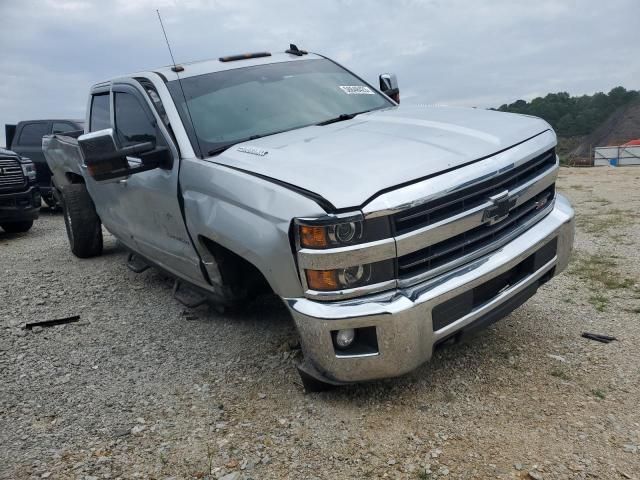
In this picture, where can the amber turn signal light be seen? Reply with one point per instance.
(313, 237)
(322, 279)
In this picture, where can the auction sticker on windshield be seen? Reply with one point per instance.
(356, 90)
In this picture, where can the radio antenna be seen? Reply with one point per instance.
(177, 69)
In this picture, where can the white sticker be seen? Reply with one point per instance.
(356, 90)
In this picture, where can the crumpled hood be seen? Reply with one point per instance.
(348, 162)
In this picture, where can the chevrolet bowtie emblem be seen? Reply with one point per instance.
(501, 204)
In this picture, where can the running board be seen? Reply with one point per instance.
(136, 264)
(189, 297)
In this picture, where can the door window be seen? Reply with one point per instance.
(133, 124)
(32, 133)
(99, 119)
(63, 127)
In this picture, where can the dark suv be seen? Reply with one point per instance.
(25, 139)
(19, 193)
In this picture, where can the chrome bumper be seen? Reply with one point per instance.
(403, 320)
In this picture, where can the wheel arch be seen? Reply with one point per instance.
(249, 217)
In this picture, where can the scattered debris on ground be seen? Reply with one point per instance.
(53, 323)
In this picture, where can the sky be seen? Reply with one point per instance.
(453, 52)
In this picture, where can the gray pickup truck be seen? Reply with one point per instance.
(25, 139)
(385, 229)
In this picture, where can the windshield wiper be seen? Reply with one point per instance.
(226, 146)
(340, 118)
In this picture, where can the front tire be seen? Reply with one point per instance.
(84, 229)
(17, 227)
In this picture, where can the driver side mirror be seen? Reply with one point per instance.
(106, 160)
(389, 86)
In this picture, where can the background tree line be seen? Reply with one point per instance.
(572, 116)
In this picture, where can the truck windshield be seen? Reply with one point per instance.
(232, 106)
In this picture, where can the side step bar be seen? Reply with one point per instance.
(136, 264)
(189, 297)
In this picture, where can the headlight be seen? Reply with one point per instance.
(28, 168)
(349, 231)
(350, 277)
(326, 237)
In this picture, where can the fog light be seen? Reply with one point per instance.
(345, 337)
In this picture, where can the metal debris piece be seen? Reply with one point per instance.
(598, 337)
(52, 323)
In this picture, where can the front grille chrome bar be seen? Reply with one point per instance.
(11, 175)
(450, 227)
(434, 272)
(348, 256)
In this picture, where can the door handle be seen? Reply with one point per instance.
(123, 182)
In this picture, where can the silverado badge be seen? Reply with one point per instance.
(253, 151)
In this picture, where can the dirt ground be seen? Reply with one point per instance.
(142, 388)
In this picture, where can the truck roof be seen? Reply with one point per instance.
(74, 120)
(201, 67)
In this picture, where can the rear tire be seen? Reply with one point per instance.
(17, 227)
(84, 229)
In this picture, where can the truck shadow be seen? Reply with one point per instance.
(455, 369)
(11, 236)
(47, 211)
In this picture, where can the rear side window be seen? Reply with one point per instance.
(133, 125)
(32, 134)
(62, 127)
(99, 119)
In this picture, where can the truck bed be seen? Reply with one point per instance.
(63, 156)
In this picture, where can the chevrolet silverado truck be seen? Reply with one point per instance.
(385, 229)
(25, 138)
(19, 193)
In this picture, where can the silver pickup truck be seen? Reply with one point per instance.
(385, 229)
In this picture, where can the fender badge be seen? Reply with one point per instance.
(253, 151)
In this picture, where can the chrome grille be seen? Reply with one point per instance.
(473, 240)
(458, 227)
(466, 199)
(11, 175)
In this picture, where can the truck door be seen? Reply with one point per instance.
(28, 143)
(148, 202)
(107, 195)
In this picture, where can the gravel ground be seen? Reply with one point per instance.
(142, 388)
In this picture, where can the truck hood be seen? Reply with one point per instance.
(349, 162)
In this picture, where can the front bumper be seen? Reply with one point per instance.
(403, 320)
(20, 206)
